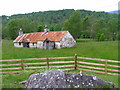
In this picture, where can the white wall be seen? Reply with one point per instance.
(57, 45)
(40, 44)
(32, 46)
(67, 41)
(17, 45)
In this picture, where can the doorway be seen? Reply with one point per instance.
(27, 44)
(47, 45)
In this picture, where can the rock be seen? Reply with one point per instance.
(87, 81)
(48, 79)
(59, 79)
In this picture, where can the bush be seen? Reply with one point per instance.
(101, 37)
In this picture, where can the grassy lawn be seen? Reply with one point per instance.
(84, 48)
(105, 50)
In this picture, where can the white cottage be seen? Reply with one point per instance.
(45, 40)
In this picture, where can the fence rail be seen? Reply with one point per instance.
(77, 63)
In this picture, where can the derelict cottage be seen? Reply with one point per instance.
(45, 40)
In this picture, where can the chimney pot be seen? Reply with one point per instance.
(46, 29)
(20, 32)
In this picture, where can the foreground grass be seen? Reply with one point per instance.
(93, 49)
(105, 50)
(10, 79)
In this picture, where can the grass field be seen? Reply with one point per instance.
(84, 48)
(105, 50)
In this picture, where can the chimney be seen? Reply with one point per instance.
(46, 29)
(20, 32)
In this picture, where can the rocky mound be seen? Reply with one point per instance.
(59, 79)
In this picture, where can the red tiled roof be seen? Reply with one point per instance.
(40, 36)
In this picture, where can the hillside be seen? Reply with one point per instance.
(55, 17)
(95, 25)
(115, 12)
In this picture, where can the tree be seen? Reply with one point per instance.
(87, 27)
(99, 28)
(72, 24)
(52, 28)
(101, 37)
(57, 27)
(14, 25)
(81, 24)
(40, 28)
(33, 27)
(112, 29)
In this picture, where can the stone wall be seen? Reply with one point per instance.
(67, 41)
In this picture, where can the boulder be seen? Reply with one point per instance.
(48, 79)
(59, 79)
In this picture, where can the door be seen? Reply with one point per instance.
(27, 44)
(47, 44)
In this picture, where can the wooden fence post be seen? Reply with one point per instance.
(106, 66)
(75, 62)
(22, 64)
(47, 63)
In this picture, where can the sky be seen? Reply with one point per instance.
(10, 7)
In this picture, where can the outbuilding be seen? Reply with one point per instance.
(45, 40)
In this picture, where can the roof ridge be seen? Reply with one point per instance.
(39, 36)
(43, 32)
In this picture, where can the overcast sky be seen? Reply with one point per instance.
(10, 7)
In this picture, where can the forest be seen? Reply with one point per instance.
(99, 26)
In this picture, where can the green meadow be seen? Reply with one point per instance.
(83, 48)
